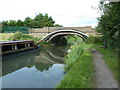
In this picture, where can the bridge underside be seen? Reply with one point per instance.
(58, 39)
(57, 35)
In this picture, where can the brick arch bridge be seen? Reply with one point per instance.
(42, 32)
(56, 35)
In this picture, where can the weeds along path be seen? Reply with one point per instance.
(103, 76)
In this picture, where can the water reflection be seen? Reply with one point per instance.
(42, 69)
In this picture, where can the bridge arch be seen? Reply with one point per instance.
(60, 33)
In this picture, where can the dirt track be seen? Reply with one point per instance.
(103, 76)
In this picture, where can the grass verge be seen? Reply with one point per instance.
(73, 56)
(5, 36)
(80, 75)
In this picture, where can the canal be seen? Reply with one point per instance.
(43, 68)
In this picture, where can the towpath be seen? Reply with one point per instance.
(104, 78)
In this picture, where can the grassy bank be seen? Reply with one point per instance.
(80, 67)
(5, 36)
(21, 36)
(111, 59)
(80, 73)
(73, 55)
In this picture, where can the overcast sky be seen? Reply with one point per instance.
(69, 13)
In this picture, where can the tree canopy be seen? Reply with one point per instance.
(39, 21)
(109, 23)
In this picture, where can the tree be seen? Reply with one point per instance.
(39, 21)
(20, 23)
(5, 23)
(12, 23)
(109, 23)
(44, 20)
(28, 22)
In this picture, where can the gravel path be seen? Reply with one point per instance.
(103, 76)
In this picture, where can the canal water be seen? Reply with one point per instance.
(43, 68)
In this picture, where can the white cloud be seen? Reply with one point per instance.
(64, 12)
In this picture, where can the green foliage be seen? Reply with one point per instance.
(21, 36)
(20, 23)
(73, 55)
(39, 21)
(5, 23)
(109, 23)
(94, 39)
(81, 73)
(71, 39)
(76, 50)
(44, 20)
(12, 23)
(17, 36)
(43, 43)
(28, 22)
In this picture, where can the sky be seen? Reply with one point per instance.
(69, 13)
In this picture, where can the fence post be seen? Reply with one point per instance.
(48, 30)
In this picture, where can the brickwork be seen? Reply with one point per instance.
(41, 32)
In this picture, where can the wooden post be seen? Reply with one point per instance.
(15, 46)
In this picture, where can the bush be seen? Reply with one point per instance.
(21, 36)
(94, 39)
(42, 43)
(71, 39)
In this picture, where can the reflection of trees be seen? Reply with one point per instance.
(41, 60)
(42, 66)
(42, 63)
(58, 50)
(48, 56)
(15, 64)
(52, 57)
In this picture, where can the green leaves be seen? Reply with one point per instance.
(39, 21)
(109, 24)
(73, 55)
(21, 36)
